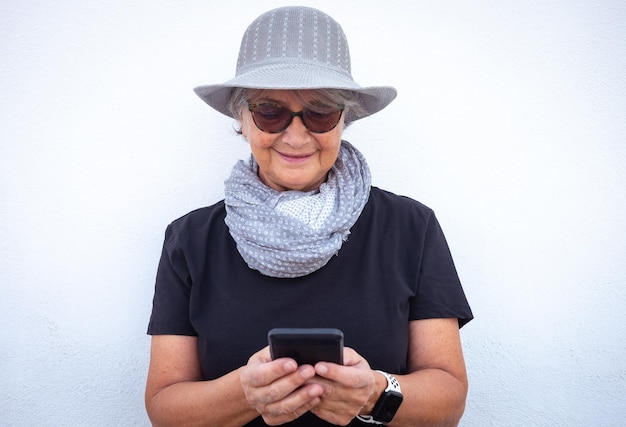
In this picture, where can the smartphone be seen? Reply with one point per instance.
(307, 346)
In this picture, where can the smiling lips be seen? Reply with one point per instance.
(295, 158)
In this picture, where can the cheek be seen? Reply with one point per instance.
(330, 157)
(258, 141)
(333, 144)
(331, 148)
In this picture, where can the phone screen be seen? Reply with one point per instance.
(307, 346)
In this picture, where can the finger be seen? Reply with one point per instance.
(352, 358)
(354, 374)
(261, 356)
(286, 385)
(293, 406)
(259, 374)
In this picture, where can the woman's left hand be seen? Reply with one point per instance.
(347, 388)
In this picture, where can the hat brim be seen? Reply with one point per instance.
(297, 76)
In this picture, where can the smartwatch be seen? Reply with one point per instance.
(387, 404)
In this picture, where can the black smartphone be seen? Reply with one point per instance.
(307, 346)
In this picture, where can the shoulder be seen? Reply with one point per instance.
(201, 214)
(388, 204)
(385, 196)
(196, 223)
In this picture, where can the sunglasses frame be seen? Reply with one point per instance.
(292, 114)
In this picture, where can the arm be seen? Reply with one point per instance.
(434, 390)
(175, 394)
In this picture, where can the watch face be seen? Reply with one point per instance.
(389, 406)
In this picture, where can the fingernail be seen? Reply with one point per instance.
(315, 391)
(307, 371)
(321, 368)
(290, 366)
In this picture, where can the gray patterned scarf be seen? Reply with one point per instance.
(294, 233)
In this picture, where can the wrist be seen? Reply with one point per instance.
(379, 388)
(387, 404)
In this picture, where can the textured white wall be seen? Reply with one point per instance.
(509, 123)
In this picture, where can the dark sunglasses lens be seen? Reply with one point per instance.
(321, 122)
(271, 118)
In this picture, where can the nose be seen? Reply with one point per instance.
(296, 135)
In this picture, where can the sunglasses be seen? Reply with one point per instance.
(274, 118)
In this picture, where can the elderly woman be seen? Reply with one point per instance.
(303, 240)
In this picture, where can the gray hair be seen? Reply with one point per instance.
(349, 99)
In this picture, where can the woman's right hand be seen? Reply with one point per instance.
(276, 388)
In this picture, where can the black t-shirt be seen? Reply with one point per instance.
(395, 267)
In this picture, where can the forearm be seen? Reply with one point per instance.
(220, 402)
(432, 397)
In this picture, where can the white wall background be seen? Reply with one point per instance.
(510, 123)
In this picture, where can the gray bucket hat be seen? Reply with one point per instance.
(296, 48)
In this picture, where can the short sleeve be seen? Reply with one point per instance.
(439, 291)
(170, 306)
